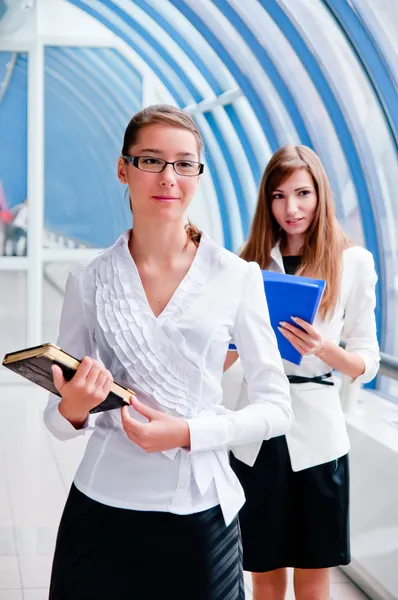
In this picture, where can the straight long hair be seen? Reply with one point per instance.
(324, 240)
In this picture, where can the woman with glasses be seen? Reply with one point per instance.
(152, 512)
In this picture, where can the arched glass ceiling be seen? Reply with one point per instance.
(289, 88)
(261, 73)
(380, 23)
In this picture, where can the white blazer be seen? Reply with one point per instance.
(318, 434)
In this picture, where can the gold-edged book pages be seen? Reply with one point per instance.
(35, 364)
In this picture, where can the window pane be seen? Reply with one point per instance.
(13, 153)
(382, 20)
(12, 311)
(90, 95)
(54, 280)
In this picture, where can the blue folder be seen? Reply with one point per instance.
(290, 296)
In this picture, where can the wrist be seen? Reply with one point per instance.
(185, 435)
(327, 347)
(323, 351)
(74, 418)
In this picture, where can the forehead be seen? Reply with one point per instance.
(299, 178)
(166, 140)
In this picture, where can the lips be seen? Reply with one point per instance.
(165, 198)
(294, 221)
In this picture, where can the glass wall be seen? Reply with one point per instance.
(12, 311)
(90, 96)
(13, 152)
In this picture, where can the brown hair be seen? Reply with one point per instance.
(324, 240)
(170, 115)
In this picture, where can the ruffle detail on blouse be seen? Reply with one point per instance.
(152, 350)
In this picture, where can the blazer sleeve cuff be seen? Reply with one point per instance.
(371, 369)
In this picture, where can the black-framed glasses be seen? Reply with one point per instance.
(152, 164)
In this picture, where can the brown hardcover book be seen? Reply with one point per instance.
(35, 364)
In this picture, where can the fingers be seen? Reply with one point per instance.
(104, 379)
(107, 384)
(130, 425)
(93, 379)
(310, 329)
(83, 370)
(304, 324)
(295, 330)
(58, 377)
(91, 373)
(144, 410)
(300, 345)
(93, 376)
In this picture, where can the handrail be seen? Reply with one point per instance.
(388, 366)
(349, 391)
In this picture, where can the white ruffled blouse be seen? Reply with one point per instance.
(174, 362)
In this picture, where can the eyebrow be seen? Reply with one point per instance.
(157, 151)
(303, 187)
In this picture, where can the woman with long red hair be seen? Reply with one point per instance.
(297, 485)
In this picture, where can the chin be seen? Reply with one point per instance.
(292, 229)
(166, 214)
(296, 230)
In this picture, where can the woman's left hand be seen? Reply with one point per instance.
(161, 432)
(309, 341)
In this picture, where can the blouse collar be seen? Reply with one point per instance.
(276, 256)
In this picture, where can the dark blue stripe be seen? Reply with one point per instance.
(342, 129)
(244, 213)
(258, 107)
(185, 47)
(265, 60)
(211, 80)
(181, 101)
(372, 62)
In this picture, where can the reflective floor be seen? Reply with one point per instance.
(35, 474)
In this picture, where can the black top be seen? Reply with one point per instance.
(291, 264)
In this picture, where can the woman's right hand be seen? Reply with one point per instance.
(89, 386)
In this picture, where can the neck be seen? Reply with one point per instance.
(157, 243)
(293, 245)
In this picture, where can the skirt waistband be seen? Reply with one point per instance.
(321, 379)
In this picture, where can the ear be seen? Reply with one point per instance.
(122, 170)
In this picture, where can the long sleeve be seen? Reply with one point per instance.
(76, 338)
(269, 413)
(359, 332)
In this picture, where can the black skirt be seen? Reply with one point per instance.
(293, 519)
(105, 553)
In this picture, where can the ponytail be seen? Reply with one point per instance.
(193, 233)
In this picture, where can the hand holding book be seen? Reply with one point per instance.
(89, 386)
(37, 364)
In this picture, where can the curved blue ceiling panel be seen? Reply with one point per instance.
(373, 64)
(90, 96)
(254, 75)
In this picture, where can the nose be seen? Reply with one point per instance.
(291, 206)
(168, 176)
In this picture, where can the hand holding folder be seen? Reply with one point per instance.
(291, 296)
